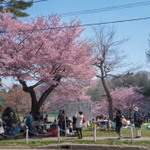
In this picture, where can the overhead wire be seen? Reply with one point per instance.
(90, 11)
(105, 9)
(111, 8)
(87, 25)
(118, 21)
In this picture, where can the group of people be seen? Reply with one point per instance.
(35, 123)
(137, 122)
(74, 124)
(9, 124)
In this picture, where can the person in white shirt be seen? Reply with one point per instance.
(79, 123)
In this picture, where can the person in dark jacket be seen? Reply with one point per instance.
(74, 119)
(61, 122)
(9, 122)
(29, 121)
(137, 122)
(118, 123)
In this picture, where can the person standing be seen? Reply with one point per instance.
(74, 119)
(61, 122)
(79, 123)
(118, 123)
(137, 122)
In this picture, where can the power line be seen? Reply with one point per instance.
(115, 7)
(118, 21)
(111, 8)
(102, 23)
(90, 24)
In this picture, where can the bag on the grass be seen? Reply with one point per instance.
(53, 131)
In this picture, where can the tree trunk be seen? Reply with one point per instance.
(34, 101)
(36, 104)
(109, 99)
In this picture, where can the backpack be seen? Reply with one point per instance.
(123, 121)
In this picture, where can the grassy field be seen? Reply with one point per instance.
(87, 132)
(48, 142)
(126, 132)
(113, 142)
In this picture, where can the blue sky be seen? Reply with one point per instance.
(137, 31)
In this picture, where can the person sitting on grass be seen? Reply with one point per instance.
(29, 123)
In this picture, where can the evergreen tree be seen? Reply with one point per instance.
(15, 7)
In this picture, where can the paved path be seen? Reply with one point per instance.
(92, 138)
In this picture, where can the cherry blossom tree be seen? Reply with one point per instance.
(100, 108)
(124, 98)
(60, 97)
(127, 98)
(46, 51)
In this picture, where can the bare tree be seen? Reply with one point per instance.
(148, 50)
(108, 59)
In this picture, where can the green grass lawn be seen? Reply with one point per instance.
(48, 142)
(113, 142)
(30, 143)
(87, 132)
(126, 132)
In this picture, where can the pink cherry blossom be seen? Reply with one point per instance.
(124, 98)
(43, 51)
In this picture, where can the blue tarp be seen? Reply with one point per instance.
(148, 127)
(16, 131)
